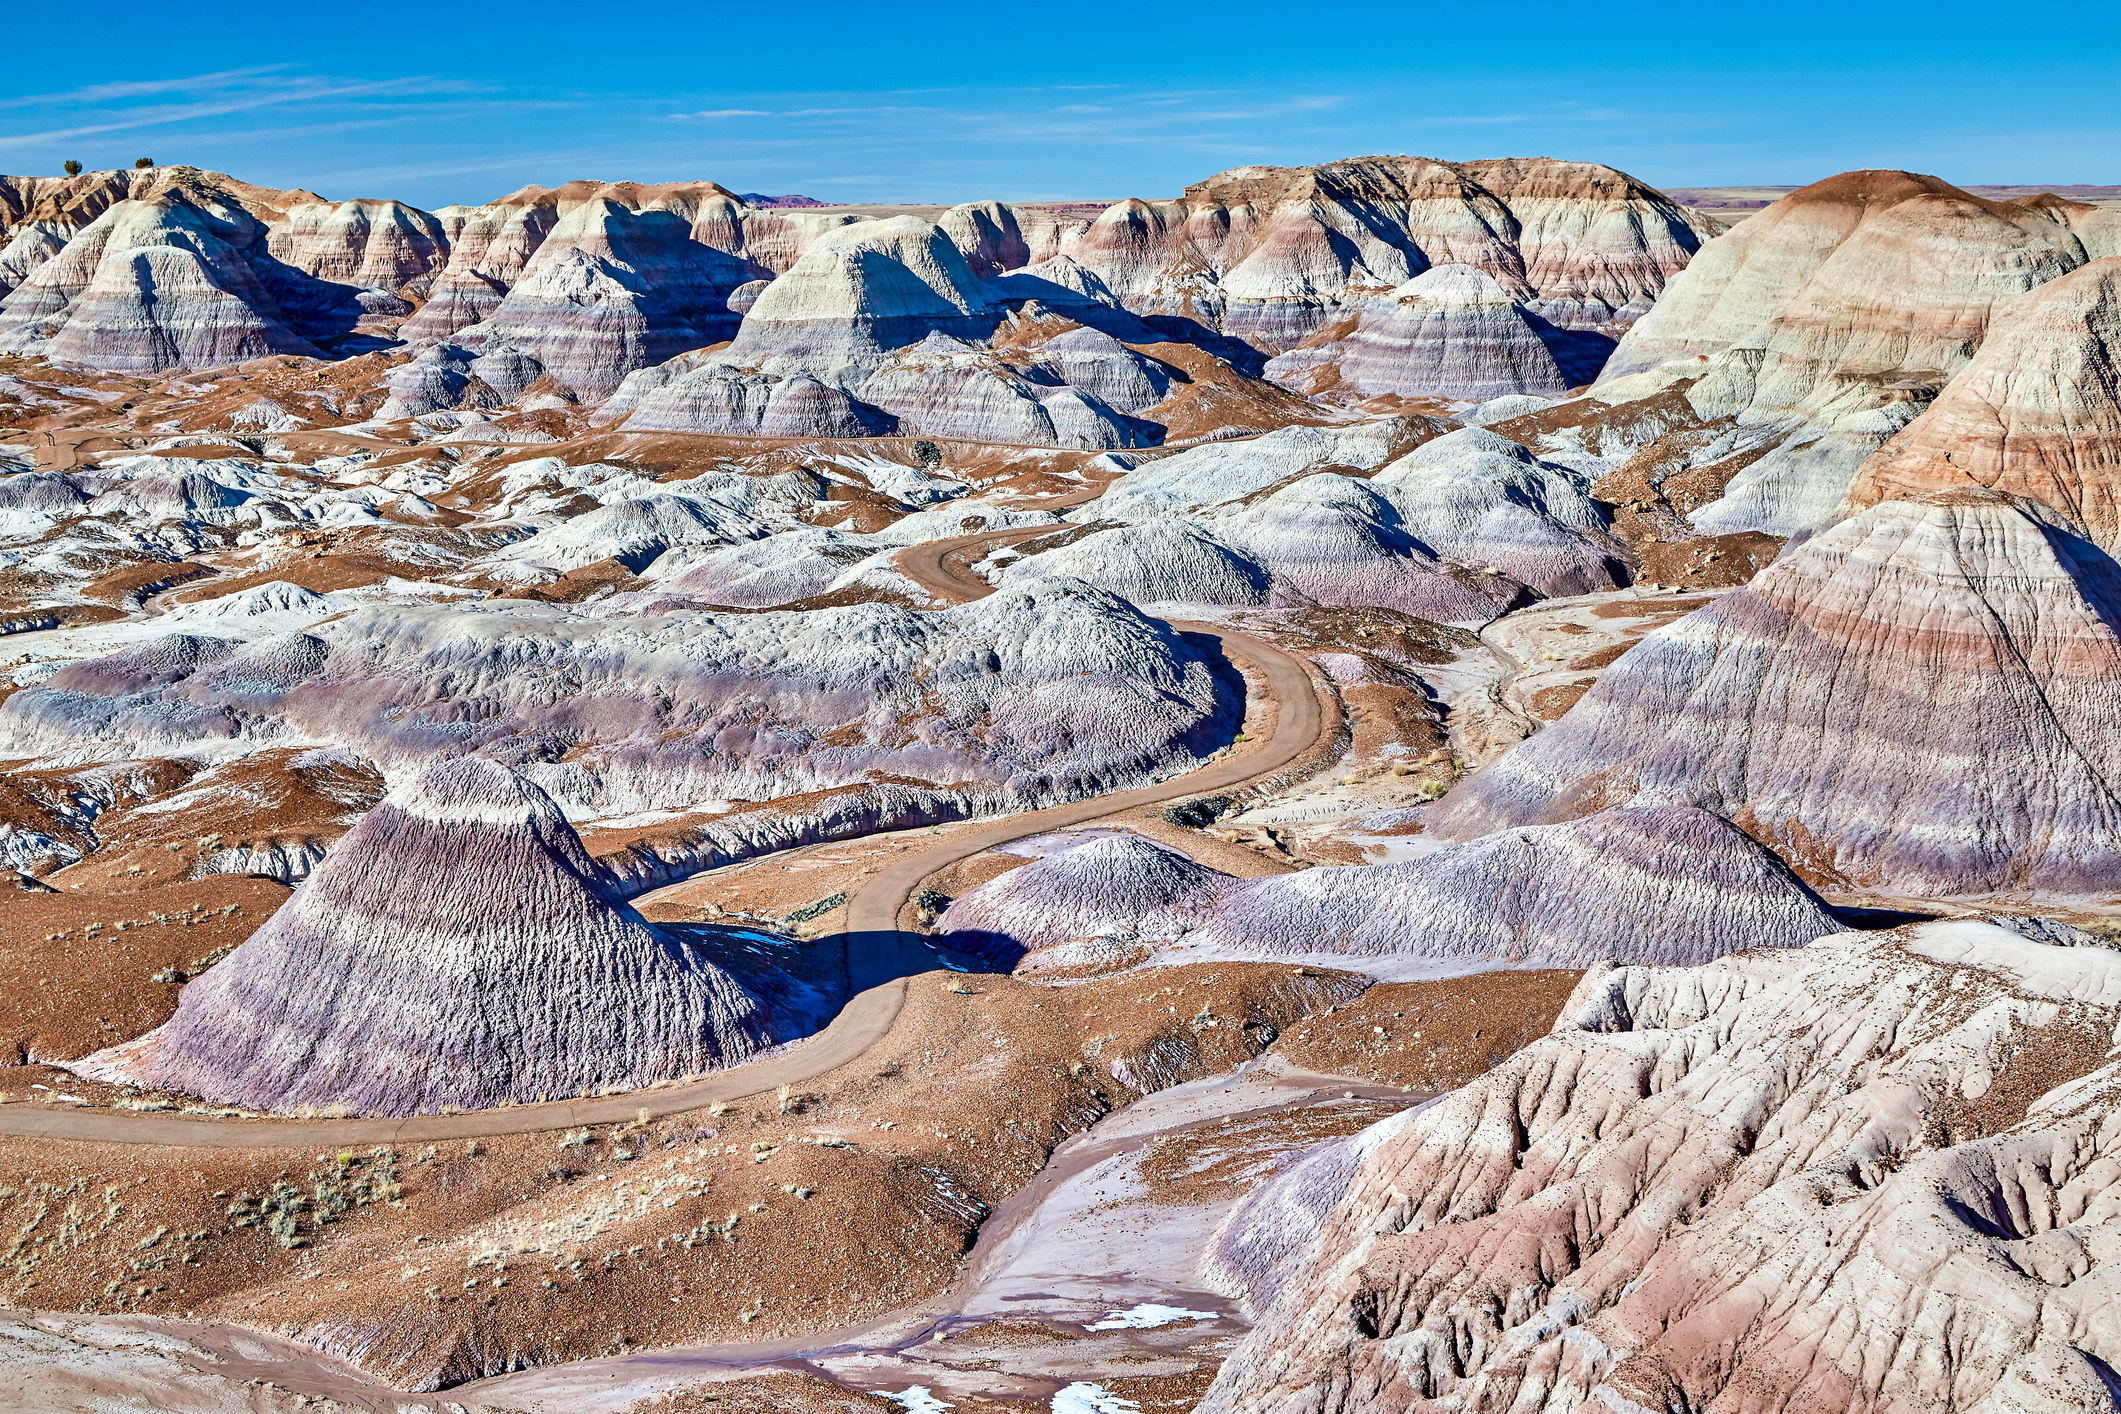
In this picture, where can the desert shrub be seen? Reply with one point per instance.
(816, 910)
(143, 163)
(73, 168)
(929, 904)
(1201, 813)
(927, 453)
(345, 1182)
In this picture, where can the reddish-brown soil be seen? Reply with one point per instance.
(590, 1237)
(1430, 1036)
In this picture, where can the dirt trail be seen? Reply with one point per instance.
(873, 909)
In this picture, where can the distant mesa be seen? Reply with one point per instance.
(458, 948)
(565, 294)
(1753, 197)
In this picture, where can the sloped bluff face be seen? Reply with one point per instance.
(458, 948)
(1879, 1173)
(1044, 692)
(1656, 885)
(1798, 343)
(1663, 885)
(1451, 332)
(2036, 414)
(1920, 699)
(152, 284)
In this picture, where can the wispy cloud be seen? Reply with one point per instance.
(106, 92)
(709, 114)
(262, 96)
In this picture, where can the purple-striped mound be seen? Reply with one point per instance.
(1672, 886)
(1669, 886)
(1115, 887)
(1920, 699)
(457, 948)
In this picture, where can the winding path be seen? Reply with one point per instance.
(873, 908)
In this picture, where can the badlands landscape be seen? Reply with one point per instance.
(1399, 785)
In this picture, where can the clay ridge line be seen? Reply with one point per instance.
(872, 910)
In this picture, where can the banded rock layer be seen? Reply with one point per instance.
(1666, 885)
(1267, 254)
(1878, 1172)
(1456, 530)
(1451, 333)
(2037, 413)
(881, 326)
(1810, 334)
(1030, 695)
(167, 281)
(457, 948)
(1918, 699)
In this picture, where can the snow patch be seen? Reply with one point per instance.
(1147, 1316)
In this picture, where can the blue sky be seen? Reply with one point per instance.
(1094, 100)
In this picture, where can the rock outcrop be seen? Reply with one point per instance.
(1268, 254)
(1813, 332)
(1088, 892)
(1452, 333)
(2037, 413)
(1878, 1172)
(1456, 530)
(152, 284)
(620, 284)
(1483, 500)
(861, 292)
(1916, 700)
(457, 948)
(1216, 473)
(780, 569)
(379, 245)
(1668, 885)
(1035, 694)
(1324, 539)
(489, 249)
(880, 326)
(26, 247)
(1334, 539)
(729, 400)
(1161, 561)
(1671, 885)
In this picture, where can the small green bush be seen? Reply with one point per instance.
(142, 163)
(73, 168)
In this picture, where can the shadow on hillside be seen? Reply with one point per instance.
(807, 982)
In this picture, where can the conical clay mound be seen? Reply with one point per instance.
(457, 948)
